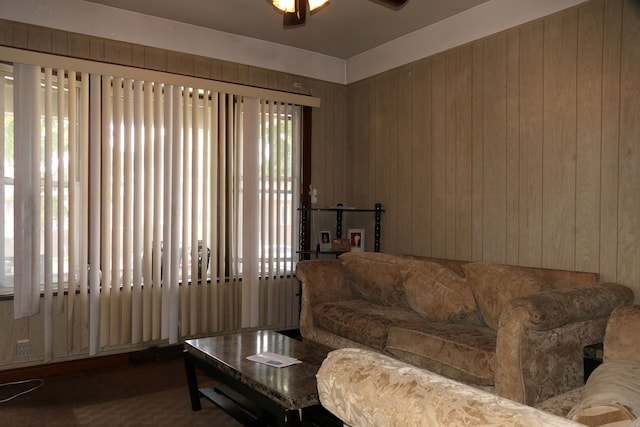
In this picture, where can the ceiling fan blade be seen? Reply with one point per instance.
(395, 4)
(298, 17)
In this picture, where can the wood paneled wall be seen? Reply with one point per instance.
(519, 148)
(523, 147)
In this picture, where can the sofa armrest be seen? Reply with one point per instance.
(550, 309)
(623, 335)
(541, 339)
(324, 281)
(364, 388)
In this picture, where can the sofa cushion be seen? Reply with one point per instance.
(439, 294)
(494, 285)
(463, 352)
(376, 277)
(561, 404)
(611, 396)
(362, 321)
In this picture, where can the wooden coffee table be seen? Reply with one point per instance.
(254, 393)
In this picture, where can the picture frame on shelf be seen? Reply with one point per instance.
(340, 245)
(325, 241)
(356, 239)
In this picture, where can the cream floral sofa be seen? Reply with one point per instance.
(366, 389)
(514, 331)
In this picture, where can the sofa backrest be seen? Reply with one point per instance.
(382, 278)
(451, 264)
(562, 278)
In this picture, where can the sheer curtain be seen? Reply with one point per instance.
(168, 210)
(27, 276)
(50, 110)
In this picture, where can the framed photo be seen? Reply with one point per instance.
(325, 241)
(356, 239)
(340, 245)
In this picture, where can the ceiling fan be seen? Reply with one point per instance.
(295, 11)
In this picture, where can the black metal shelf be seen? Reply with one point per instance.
(304, 211)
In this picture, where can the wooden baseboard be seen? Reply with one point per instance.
(88, 364)
(155, 354)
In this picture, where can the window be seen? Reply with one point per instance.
(137, 165)
(120, 175)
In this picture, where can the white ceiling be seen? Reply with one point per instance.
(342, 29)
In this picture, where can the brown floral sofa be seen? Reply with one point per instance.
(611, 396)
(366, 388)
(515, 331)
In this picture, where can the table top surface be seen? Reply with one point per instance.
(293, 387)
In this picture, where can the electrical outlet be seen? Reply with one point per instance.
(23, 348)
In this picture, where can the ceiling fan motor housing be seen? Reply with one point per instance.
(299, 14)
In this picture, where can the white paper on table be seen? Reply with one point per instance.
(273, 359)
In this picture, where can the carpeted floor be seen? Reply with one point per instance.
(146, 394)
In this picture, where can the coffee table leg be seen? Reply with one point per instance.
(192, 382)
(292, 418)
(317, 416)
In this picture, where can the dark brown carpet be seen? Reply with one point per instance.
(151, 393)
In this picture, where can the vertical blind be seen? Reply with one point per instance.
(163, 211)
